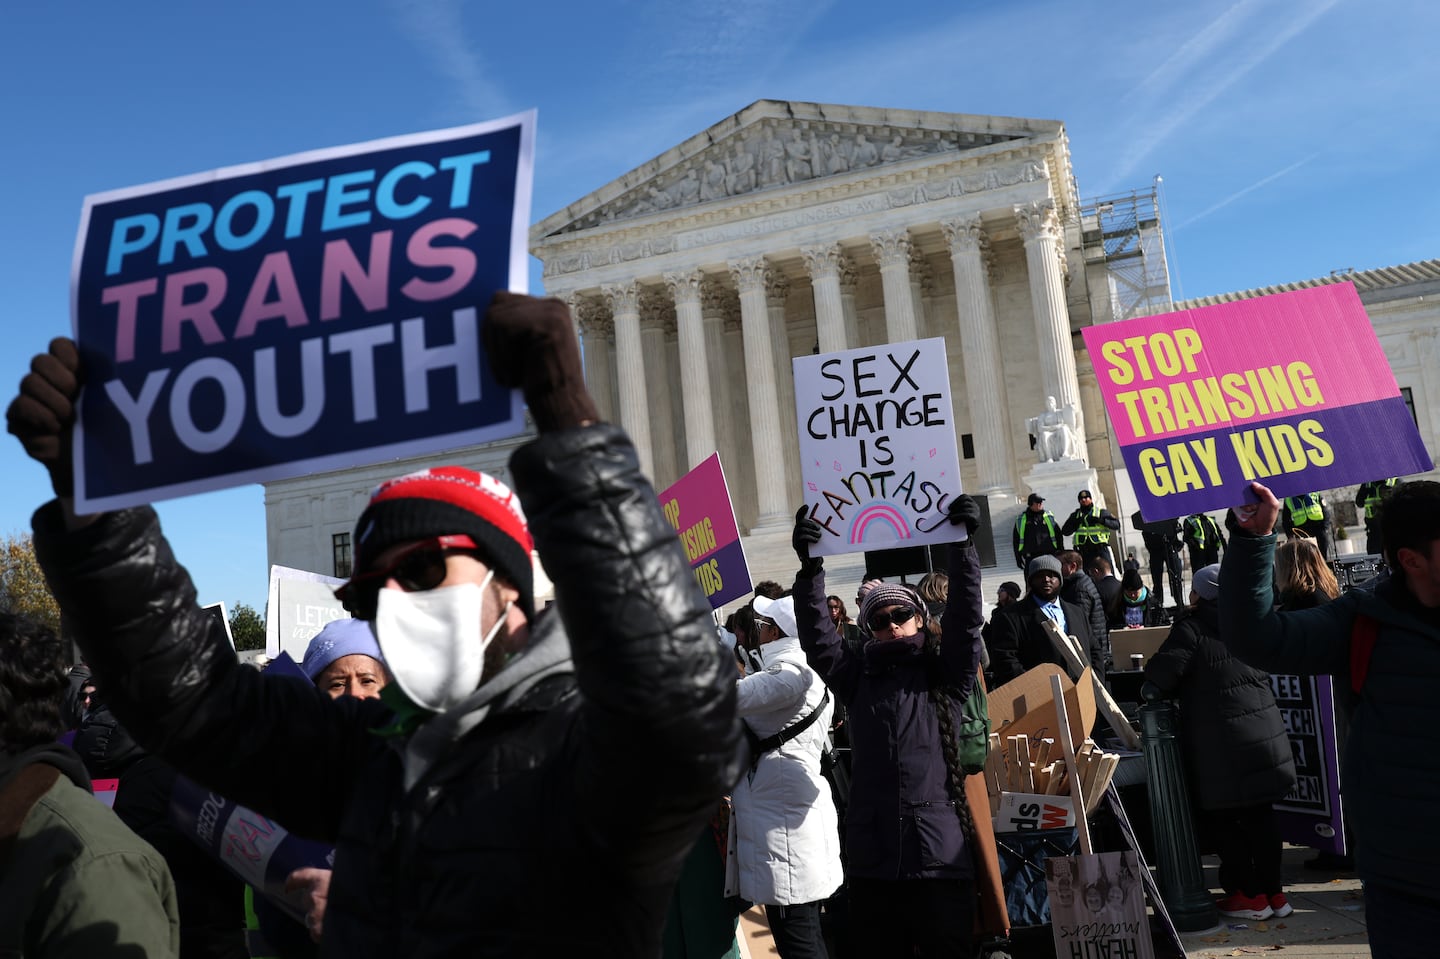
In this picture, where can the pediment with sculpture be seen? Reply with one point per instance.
(772, 154)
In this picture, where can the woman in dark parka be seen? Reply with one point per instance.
(1237, 753)
(909, 830)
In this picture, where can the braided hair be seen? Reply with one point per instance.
(947, 699)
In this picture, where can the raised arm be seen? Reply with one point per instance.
(1305, 642)
(646, 658)
(826, 653)
(276, 745)
(964, 617)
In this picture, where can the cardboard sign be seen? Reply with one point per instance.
(1292, 390)
(1028, 812)
(698, 506)
(1310, 814)
(216, 612)
(1097, 906)
(299, 605)
(877, 446)
(309, 313)
(105, 790)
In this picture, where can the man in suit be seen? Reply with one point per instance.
(1019, 640)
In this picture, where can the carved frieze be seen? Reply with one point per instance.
(928, 191)
(776, 154)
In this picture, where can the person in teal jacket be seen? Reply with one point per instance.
(1392, 779)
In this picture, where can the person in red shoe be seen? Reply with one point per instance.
(1237, 754)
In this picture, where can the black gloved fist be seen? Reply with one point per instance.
(532, 345)
(42, 416)
(807, 533)
(963, 510)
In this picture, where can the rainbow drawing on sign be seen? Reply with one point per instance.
(883, 513)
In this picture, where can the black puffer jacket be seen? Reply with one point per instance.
(1236, 750)
(552, 823)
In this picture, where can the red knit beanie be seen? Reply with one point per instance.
(445, 501)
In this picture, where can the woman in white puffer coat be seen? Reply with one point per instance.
(785, 848)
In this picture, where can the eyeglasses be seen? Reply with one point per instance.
(761, 623)
(419, 568)
(898, 616)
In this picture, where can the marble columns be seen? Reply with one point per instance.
(892, 252)
(694, 366)
(765, 432)
(980, 350)
(1040, 229)
(824, 264)
(629, 362)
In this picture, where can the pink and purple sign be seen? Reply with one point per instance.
(1292, 390)
(698, 506)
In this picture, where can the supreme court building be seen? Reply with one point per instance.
(793, 228)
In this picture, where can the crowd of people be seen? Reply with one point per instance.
(497, 779)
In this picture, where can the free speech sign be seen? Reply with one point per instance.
(297, 315)
(1291, 389)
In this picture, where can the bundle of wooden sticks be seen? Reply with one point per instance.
(1018, 765)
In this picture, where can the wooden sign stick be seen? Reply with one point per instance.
(1111, 710)
(1076, 795)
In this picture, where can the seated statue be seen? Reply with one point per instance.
(1056, 432)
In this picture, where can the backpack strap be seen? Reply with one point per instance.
(759, 747)
(1363, 633)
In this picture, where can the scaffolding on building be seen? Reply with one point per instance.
(1122, 233)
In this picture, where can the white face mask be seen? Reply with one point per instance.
(432, 642)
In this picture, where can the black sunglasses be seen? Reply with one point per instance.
(898, 616)
(417, 569)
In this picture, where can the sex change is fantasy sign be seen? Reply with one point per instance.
(877, 446)
(301, 314)
(1292, 390)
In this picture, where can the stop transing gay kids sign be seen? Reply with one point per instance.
(302, 314)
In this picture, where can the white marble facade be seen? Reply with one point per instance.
(791, 228)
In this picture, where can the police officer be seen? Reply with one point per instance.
(1036, 533)
(1203, 538)
(1091, 529)
(1162, 542)
(1369, 497)
(1307, 514)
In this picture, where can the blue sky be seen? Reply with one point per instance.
(1295, 137)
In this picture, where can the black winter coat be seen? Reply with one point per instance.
(1236, 750)
(556, 826)
(1080, 589)
(1020, 641)
(902, 822)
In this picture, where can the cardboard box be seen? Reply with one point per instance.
(1126, 642)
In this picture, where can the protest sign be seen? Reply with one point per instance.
(303, 314)
(299, 605)
(1097, 906)
(1310, 814)
(216, 612)
(877, 446)
(698, 506)
(1027, 812)
(1292, 390)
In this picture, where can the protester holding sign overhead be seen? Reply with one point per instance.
(514, 774)
(1385, 644)
(903, 692)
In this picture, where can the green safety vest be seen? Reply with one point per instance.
(1092, 535)
(1375, 494)
(1046, 518)
(1198, 525)
(1304, 509)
